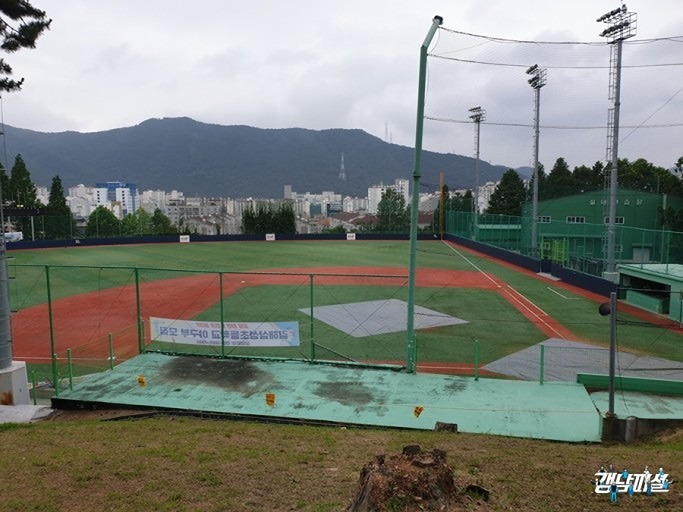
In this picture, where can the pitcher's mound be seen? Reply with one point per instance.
(359, 319)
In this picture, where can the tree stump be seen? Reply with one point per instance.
(413, 480)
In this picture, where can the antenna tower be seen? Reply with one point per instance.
(342, 171)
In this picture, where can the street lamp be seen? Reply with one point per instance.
(477, 114)
(537, 80)
(622, 26)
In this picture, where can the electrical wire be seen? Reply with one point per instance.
(560, 127)
(583, 43)
(547, 66)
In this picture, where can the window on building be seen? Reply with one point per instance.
(544, 219)
(617, 220)
(618, 248)
(576, 219)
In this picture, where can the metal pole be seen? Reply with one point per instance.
(111, 351)
(534, 214)
(476, 359)
(415, 204)
(476, 183)
(220, 281)
(312, 348)
(611, 230)
(622, 26)
(612, 350)
(55, 378)
(33, 386)
(141, 344)
(542, 364)
(70, 369)
(5, 309)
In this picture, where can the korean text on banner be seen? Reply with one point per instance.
(235, 334)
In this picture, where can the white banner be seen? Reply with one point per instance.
(235, 334)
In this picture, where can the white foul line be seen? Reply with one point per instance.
(471, 263)
(564, 297)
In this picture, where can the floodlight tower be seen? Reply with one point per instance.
(477, 114)
(622, 25)
(537, 80)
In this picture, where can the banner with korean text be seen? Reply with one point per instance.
(235, 334)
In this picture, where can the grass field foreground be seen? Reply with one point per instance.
(76, 463)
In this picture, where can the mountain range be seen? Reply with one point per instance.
(209, 160)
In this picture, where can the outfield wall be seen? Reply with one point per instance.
(574, 277)
(168, 239)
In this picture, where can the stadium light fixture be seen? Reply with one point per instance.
(622, 26)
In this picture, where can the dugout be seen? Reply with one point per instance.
(656, 287)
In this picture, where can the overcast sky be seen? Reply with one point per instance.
(336, 64)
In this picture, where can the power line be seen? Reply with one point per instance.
(559, 127)
(677, 39)
(508, 65)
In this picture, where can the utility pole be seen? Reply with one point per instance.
(622, 26)
(537, 80)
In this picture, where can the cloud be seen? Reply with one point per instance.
(351, 64)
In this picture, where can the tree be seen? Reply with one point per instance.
(137, 224)
(392, 215)
(337, 229)
(102, 223)
(20, 26)
(439, 219)
(4, 184)
(509, 195)
(161, 224)
(560, 181)
(22, 193)
(268, 219)
(587, 178)
(542, 183)
(59, 223)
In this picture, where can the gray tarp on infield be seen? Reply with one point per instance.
(563, 359)
(359, 319)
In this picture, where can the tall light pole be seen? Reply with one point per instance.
(622, 26)
(537, 80)
(477, 114)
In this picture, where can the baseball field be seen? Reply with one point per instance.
(94, 304)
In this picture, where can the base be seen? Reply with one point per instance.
(14, 385)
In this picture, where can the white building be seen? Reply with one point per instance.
(376, 192)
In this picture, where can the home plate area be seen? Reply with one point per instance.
(359, 319)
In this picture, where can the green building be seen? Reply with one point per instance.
(572, 230)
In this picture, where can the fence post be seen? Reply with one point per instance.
(70, 369)
(55, 379)
(220, 285)
(33, 385)
(312, 319)
(141, 344)
(111, 351)
(542, 363)
(476, 359)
